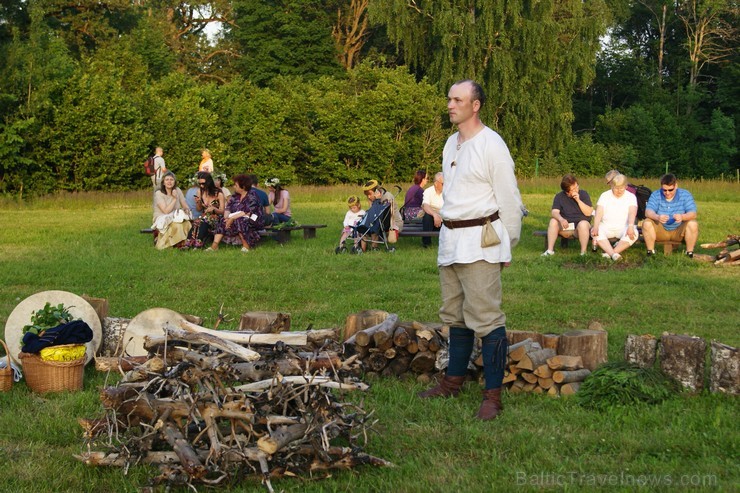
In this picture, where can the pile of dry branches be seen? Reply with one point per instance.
(206, 410)
(727, 256)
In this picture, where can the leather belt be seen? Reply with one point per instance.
(469, 223)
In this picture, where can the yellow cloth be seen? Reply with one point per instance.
(173, 234)
(66, 352)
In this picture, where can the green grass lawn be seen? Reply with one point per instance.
(90, 244)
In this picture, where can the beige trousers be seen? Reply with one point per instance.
(471, 296)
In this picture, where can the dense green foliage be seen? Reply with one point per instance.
(88, 89)
(528, 56)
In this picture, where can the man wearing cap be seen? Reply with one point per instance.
(373, 191)
(670, 215)
(481, 223)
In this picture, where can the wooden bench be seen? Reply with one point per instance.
(414, 230)
(565, 242)
(282, 235)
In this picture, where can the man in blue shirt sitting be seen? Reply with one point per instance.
(670, 215)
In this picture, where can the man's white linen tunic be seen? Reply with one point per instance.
(479, 180)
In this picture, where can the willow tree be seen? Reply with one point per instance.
(529, 56)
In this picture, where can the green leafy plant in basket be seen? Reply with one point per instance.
(48, 317)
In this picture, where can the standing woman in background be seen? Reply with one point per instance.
(280, 200)
(206, 164)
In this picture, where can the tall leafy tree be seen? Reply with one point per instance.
(284, 37)
(529, 56)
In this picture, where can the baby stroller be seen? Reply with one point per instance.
(373, 228)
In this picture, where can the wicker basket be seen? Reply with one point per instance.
(52, 376)
(6, 374)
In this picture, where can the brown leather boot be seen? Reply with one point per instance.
(448, 387)
(491, 405)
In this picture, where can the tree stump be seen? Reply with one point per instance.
(550, 341)
(362, 320)
(100, 305)
(724, 375)
(265, 322)
(112, 335)
(641, 350)
(590, 345)
(515, 336)
(682, 358)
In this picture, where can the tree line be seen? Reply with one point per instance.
(341, 91)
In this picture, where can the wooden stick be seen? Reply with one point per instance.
(300, 380)
(545, 383)
(281, 437)
(528, 377)
(363, 337)
(570, 388)
(543, 371)
(290, 338)
(570, 376)
(215, 341)
(563, 362)
(533, 359)
(188, 458)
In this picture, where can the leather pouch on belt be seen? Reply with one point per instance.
(489, 236)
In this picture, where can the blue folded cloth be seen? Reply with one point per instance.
(17, 374)
(74, 332)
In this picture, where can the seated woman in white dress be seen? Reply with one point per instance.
(171, 214)
(615, 218)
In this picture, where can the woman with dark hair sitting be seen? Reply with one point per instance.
(414, 196)
(280, 201)
(211, 203)
(243, 217)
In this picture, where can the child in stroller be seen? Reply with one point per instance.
(382, 221)
(352, 218)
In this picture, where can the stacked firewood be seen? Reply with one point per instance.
(726, 256)
(391, 348)
(532, 368)
(553, 364)
(208, 410)
(540, 363)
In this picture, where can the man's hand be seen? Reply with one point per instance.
(678, 218)
(663, 218)
(563, 224)
(437, 221)
(632, 231)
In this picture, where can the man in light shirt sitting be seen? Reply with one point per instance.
(432, 204)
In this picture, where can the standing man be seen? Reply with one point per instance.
(670, 215)
(159, 167)
(479, 189)
(432, 203)
(570, 215)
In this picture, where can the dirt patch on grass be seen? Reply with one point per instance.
(621, 265)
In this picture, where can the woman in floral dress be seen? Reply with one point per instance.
(243, 218)
(211, 203)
